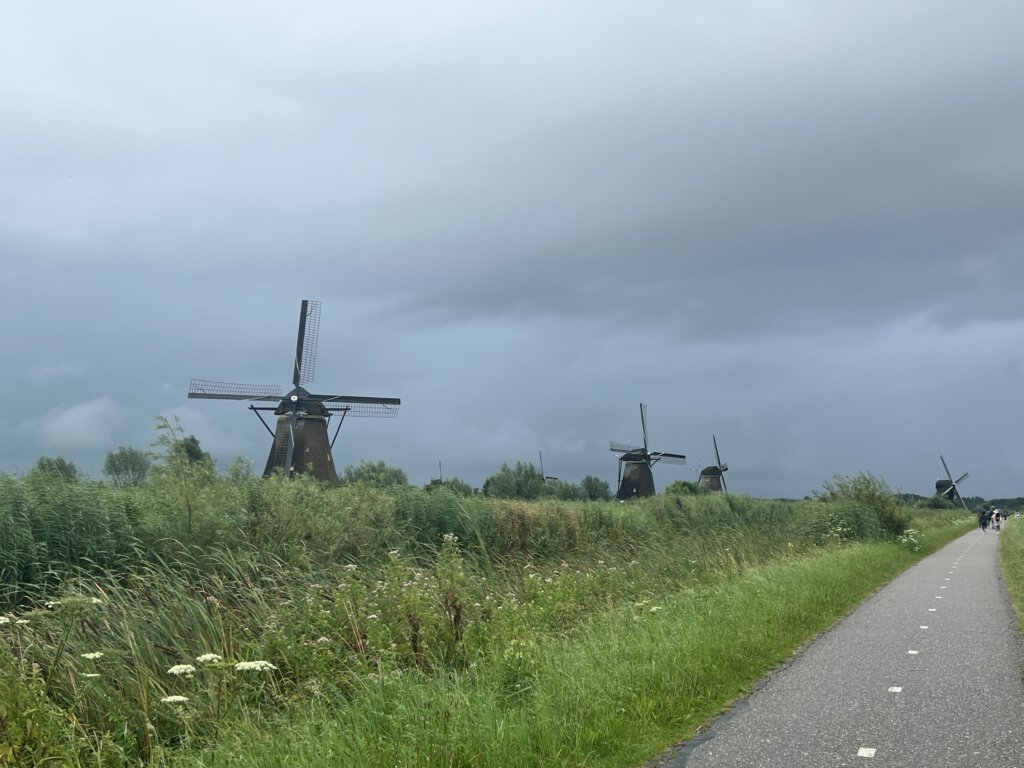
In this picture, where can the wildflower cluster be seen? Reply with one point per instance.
(910, 539)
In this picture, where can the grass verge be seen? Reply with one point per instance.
(629, 683)
(1011, 555)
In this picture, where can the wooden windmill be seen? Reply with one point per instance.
(713, 477)
(948, 488)
(300, 441)
(635, 462)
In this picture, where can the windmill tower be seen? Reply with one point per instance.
(713, 477)
(635, 462)
(949, 487)
(300, 441)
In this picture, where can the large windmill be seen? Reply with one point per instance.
(949, 487)
(300, 444)
(635, 462)
(713, 477)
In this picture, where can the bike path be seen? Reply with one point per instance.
(925, 673)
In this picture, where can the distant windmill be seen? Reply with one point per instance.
(713, 477)
(300, 444)
(439, 480)
(543, 476)
(948, 488)
(635, 462)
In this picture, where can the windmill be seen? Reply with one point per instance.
(544, 477)
(713, 477)
(635, 462)
(300, 444)
(948, 488)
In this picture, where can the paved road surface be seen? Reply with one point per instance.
(925, 673)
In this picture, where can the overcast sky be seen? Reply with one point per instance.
(796, 225)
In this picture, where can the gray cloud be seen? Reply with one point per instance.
(794, 226)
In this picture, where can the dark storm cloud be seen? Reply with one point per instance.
(794, 225)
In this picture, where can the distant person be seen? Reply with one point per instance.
(983, 520)
(995, 520)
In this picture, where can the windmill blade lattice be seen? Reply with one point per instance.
(306, 344)
(205, 389)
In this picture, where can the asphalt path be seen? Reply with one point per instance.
(927, 672)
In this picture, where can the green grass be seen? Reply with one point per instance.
(631, 682)
(1011, 553)
(405, 627)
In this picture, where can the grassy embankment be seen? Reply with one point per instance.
(1011, 555)
(537, 634)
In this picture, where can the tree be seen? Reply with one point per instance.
(456, 484)
(58, 466)
(524, 481)
(378, 474)
(240, 469)
(127, 466)
(595, 489)
(183, 459)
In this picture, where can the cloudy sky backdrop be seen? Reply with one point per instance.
(796, 225)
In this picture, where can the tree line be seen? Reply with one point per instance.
(181, 454)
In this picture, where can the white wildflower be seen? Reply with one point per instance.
(95, 601)
(254, 666)
(174, 699)
(93, 655)
(450, 538)
(351, 567)
(209, 658)
(91, 674)
(654, 608)
(182, 669)
(21, 621)
(372, 617)
(51, 604)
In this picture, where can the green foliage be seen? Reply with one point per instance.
(559, 489)
(376, 474)
(33, 730)
(1011, 556)
(58, 466)
(352, 592)
(937, 502)
(127, 466)
(684, 488)
(524, 481)
(240, 469)
(595, 489)
(459, 486)
(873, 492)
(185, 463)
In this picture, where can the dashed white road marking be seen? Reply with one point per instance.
(896, 689)
(912, 653)
(866, 752)
(933, 609)
(948, 579)
(924, 626)
(943, 586)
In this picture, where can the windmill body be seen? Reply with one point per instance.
(713, 477)
(301, 444)
(635, 462)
